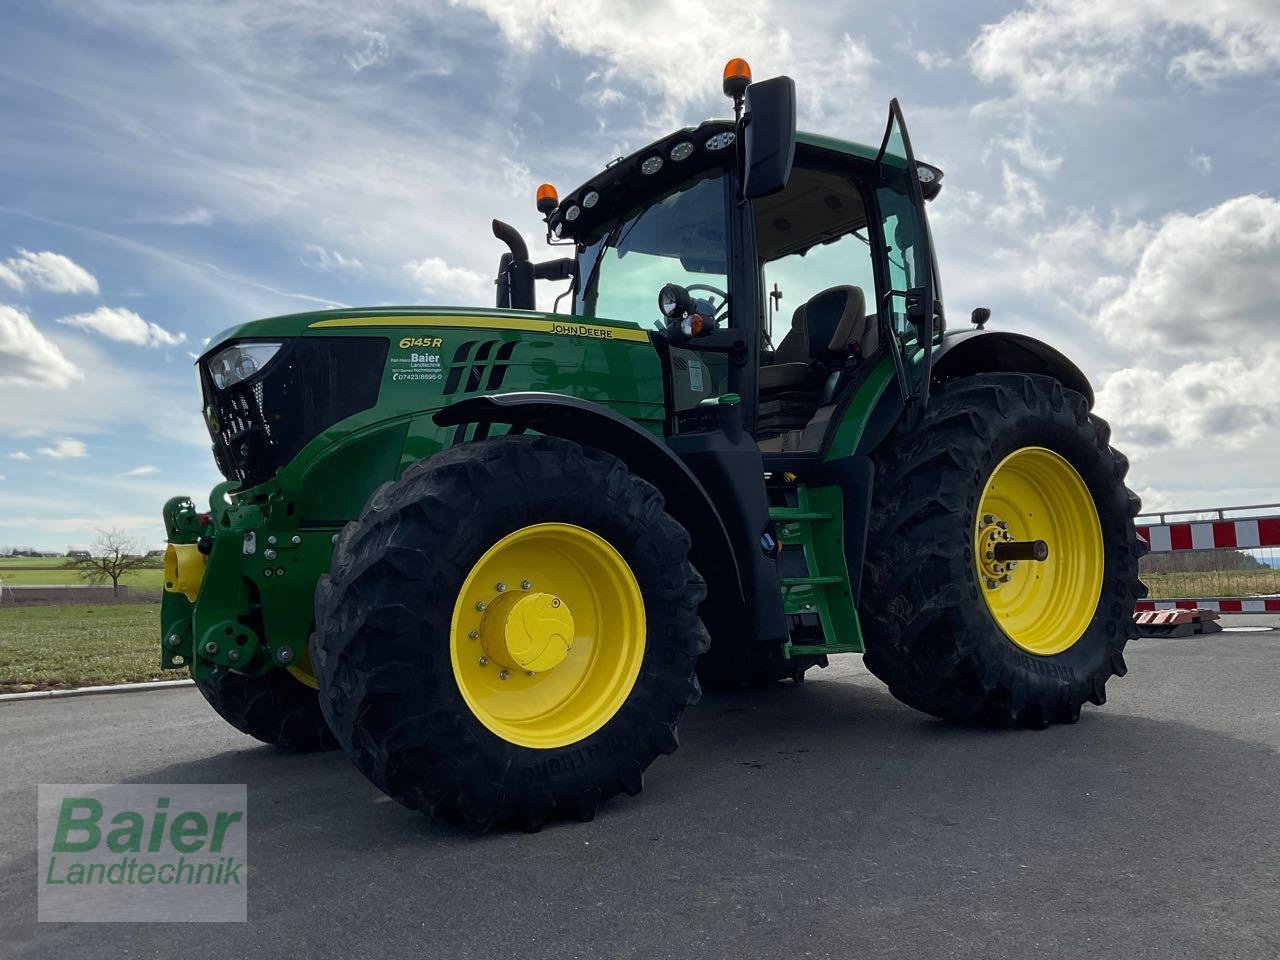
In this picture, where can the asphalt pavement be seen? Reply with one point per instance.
(821, 821)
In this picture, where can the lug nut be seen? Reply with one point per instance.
(484, 661)
(502, 587)
(474, 634)
(480, 605)
(295, 539)
(269, 554)
(991, 584)
(210, 648)
(529, 673)
(284, 655)
(525, 585)
(233, 655)
(504, 675)
(174, 639)
(1005, 578)
(988, 519)
(555, 602)
(271, 540)
(1002, 525)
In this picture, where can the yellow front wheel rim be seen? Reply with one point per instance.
(1042, 606)
(548, 635)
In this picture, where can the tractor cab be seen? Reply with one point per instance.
(770, 267)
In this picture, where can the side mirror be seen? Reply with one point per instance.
(770, 148)
(980, 316)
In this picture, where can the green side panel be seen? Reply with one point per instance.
(858, 413)
(816, 526)
(335, 487)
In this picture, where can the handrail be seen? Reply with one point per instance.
(1218, 513)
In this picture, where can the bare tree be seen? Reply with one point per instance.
(113, 555)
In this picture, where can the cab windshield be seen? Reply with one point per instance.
(680, 238)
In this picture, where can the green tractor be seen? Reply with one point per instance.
(491, 553)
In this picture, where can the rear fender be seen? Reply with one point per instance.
(999, 351)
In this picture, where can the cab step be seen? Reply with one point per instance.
(814, 525)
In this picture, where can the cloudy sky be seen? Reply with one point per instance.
(168, 169)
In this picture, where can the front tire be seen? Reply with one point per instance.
(276, 708)
(509, 633)
(951, 630)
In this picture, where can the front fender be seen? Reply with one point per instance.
(593, 425)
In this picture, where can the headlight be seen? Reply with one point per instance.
(240, 362)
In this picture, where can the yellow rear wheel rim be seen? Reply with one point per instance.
(548, 635)
(1042, 606)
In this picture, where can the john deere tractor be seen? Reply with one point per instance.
(490, 553)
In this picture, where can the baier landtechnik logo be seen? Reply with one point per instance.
(142, 852)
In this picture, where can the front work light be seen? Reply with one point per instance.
(674, 301)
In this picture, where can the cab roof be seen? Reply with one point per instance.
(627, 183)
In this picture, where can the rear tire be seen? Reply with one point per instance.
(275, 708)
(930, 632)
(394, 666)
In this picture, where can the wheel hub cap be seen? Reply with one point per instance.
(529, 632)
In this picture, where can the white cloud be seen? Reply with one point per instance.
(1019, 202)
(1199, 305)
(1200, 162)
(330, 261)
(47, 271)
(143, 471)
(1080, 49)
(20, 455)
(932, 60)
(67, 449)
(1230, 403)
(454, 284)
(28, 357)
(117, 323)
(1023, 146)
(375, 51)
(1205, 283)
(195, 217)
(634, 39)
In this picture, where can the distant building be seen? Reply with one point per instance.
(78, 554)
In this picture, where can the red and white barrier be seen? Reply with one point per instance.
(1220, 604)
(1216, 531)
(1212, 534)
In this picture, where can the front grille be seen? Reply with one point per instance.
(260, 424)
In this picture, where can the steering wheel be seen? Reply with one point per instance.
(723, 309)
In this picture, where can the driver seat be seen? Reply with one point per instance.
(827, 330)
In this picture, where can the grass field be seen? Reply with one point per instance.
(76, 645)
(1212, 583)
(50, 571)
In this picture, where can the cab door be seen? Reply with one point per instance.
(908, 304)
